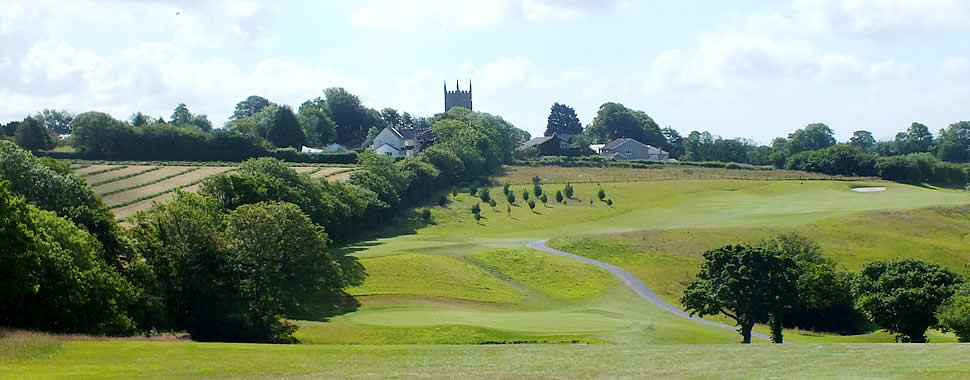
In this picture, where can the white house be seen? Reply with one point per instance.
(630, 149)
(401, 143)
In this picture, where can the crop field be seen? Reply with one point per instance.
(128, 188)
(435, 300)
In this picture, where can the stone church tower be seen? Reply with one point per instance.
(458, 98)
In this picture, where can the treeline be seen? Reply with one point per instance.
(785, 281)
(913, 156)
(231, 263)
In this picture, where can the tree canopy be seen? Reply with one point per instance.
(613, 120)
(562, 120)
(249, 107)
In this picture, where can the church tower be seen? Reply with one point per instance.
(458, 98)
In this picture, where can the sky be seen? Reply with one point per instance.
(745, 68)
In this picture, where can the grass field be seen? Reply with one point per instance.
(458, 282)
(128, 187)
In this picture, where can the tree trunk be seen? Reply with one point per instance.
(746, 332)
(775, 321)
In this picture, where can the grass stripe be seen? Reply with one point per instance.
(111, 169)
(124, 177)
(157, 180)
(160, 193)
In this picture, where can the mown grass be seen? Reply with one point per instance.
(522, 175)
(83, 360)
(555, 276)
(434, 276)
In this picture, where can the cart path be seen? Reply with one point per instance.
(637, 286)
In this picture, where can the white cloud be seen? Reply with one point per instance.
(467, 14)
(883, 18)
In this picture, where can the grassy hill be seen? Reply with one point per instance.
(458, 281)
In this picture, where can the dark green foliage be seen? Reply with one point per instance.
(525, 195)
(562, 121)
(476, 208)
(284, 130)
(484, 195)
(51, 187)
(813, 137)
(472, 191)
(839, 159)
(609, 202)
(954, 313)
(442, 201)
(52, 275)
(249, 107)
(703, 146)
(508, 210)
(559, 196)
(478, 218)
(532, 204)
(536, 180)
(745, 283)
(675, 142)
(544, 198)
(505, 189)
(426, 215)
(601, 194)
(351, 118)
(537, 190)
(317, 126)
(613, 121)
(32, 135)
(181, 115)
(899, 169)
(824, 300)
(10, 128)
(568, 191)
(511, 197)
(863, 141)
(492, 204)
(902, 296)
(58, 121)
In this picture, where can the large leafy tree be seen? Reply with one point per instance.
(863, 140)
(202, 122)
(317, 126)
(181, 115)
(52, 276)
(745, 283)
(10, 128)
(916, 139)
(954, 313)
(349, 114)
(902, 296)
(139, 119)
(249, 107)
(283, 129)
(32, 135)
(58, 121)
(675, 142)
(562, 120)
(955, 142)
(613, 120)
(813, 137)
(95, 133)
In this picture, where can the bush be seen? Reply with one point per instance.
(835, 160)
(476, 208)
(442, 201)
(426, 215)
(558, 196)
(954, 314)
(899, 169)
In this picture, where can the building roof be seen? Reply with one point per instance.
(617, 142)
(395, 132)
(412, 133)
(537, 141)
(387, 145)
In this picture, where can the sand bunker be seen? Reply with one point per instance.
(869, 189)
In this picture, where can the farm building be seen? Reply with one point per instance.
(630, 149)
(332, 148)
(402, 142)
(547, 145)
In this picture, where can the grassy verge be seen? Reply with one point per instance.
(16, 346)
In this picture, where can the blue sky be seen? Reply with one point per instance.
(755, 69)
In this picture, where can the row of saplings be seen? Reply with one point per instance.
(786, 282)
(485, 195)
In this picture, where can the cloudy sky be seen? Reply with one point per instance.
(736, 68)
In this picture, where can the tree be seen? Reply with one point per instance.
(317, 126)
(744, 283)
(609, 202)
(283, 128)
(391, 118)
(563, 121)
(505, 189)
(249, 107)
(675, 143)
(492, 204)
(473, 191)
(536, 189)
(10, 128)
(508, 210)
(476, 208)
(613, 120)
(32, 135)
(902, 296)
(57, 121)
(916, 139)
(532, 205)
(601, 194)
(478, 218)
(511, 198)
(202, 122)
(559, 196)
(372, 133)
(544, 199)
(863, 140)
(954, 145)
(525, 195)
(349, 114)
(139, 119)
(954, 313)
(484, 195)
(813, 137)
(181, 115)
(568, 190)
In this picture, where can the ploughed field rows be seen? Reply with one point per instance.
(126, 189)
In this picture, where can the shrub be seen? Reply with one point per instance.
(476, 208)
(601, 194)
(532, 204)
(442, 201)
(505, 189)
(568, 190)
(899, 169)
(536, 189)
(558, 196)
(472, 191)
(511, 198)
(525, 195)
(492, 203)
(544, 198)
(484, 195)
(954, 314)
(426, 215)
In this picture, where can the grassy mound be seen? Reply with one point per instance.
(555, 276)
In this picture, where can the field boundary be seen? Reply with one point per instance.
(126, 176)
(102, 171)
(152, 182)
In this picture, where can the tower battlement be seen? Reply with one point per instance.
(458, 98)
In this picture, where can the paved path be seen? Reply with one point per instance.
(638, 286)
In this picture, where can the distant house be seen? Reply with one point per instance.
(402, 142)
(332, 148)
(630, 149)
(547, 145)
(596, 148)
